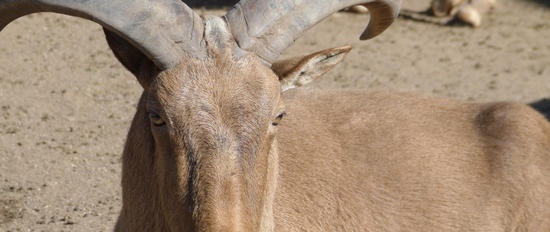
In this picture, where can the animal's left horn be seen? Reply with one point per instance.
(268, 27)
(163, 30)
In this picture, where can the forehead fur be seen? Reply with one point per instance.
(227, 80)
(221, 100)
(220, 94)
(222, 75)
(217, 105)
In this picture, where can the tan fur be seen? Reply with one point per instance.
(212, 165)
(208, 151)
(381, 161)
(339, 161)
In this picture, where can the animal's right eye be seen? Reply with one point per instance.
(156, 119)
(278, 119)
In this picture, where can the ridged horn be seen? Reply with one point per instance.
(163, 30)
(268, 27)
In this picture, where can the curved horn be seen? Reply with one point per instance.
(164, 30)
(269, 27)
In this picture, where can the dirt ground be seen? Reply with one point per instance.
(66, 103)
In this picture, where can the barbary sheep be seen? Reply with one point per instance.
(223, 140)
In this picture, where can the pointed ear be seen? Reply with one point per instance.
(298, 71)
(131, 58)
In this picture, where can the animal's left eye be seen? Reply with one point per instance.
(156, 119)
(278, 119)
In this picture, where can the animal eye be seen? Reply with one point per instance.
(278, 119)
(156, 119)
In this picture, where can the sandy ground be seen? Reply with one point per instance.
(66, 104)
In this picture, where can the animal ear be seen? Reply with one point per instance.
(298, 71)
(131, 58)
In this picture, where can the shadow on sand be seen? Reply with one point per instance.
(210, 3)
(542, 106)
(545, 3)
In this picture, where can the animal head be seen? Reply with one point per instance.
(202, 152)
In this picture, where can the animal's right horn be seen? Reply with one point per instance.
(163, 30)
(268, 27)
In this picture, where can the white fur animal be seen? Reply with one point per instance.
(467, 11)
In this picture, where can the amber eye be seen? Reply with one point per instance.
(156, 119)
(278, 119)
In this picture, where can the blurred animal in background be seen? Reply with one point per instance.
(445, 12)
(467, 11)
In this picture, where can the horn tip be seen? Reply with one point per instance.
(369, 34)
